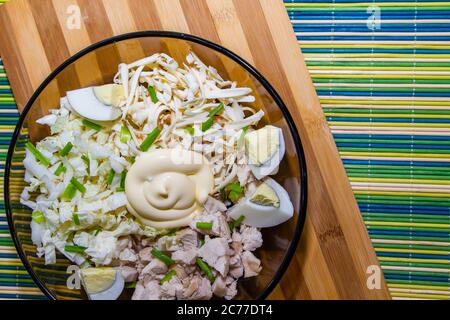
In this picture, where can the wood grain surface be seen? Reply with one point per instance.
(335, 250)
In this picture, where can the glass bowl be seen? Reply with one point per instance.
(97, 65)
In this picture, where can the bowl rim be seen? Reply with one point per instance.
(198, 40)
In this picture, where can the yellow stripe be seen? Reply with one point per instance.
(420, 295)
(377, 46)
(379, 76)
(13, 272)
(409, 251)
(406, 193)
(367, 4)
(388, 180)
(395, 259)
(390, 124)
(387, 115)
(400, 155)
(373, 55)
(378, 68)
(386, 102)
(406, 224)
(417, 286)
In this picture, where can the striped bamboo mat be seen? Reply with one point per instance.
(382, 71)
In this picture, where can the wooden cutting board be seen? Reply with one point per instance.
(335, 250)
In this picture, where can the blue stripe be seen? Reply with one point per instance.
(386, 136)
(406, 207)
(383, 94)
(399, 163)
(362, 27)
(363, 14)
(21, 296)
(413, 255)
(372, 37)
(350, 1)
(404, 211)
(414, 277)
(375, 50)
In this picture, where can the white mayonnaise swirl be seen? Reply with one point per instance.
(166, 187)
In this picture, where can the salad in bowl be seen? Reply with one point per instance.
(159, 182)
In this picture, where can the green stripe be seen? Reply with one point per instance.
(411, 64)
(412, 150)
(405, 175)
(432, 229)
(408, 218)
(412, 264)
(411, 246)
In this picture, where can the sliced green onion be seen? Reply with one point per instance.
(76, 219)
(204, 225)
(120, 189)
(38, 217)
(152, 93)
(161, 256)
(207, 124)
(97, 231)
(168, 276)
(92, 125)
(37, 154)
(125, 134)
(75, 249)
(190, 130)
(234, 186)
(130, 285)
(85, 158)
(60, 170)
(240, 142)
(69, 192)
(111, 175)
(78, 185)
(235, 191)
(202, 242)
(65, 151)
(237, 222)
(123, 176)
(216, 110)
(145, 145)
(234, 196)
(205, 268)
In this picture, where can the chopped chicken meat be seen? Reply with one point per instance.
(155, 266)
(150, 291)
(252, 265)
(197, 288)
(171, 289)
(224, 288)
(220, 226)
(185, 256)
(251, 238)
(216, 253)
(129, 274)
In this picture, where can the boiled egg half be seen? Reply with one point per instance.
(102, 283)
(97, 103)
(265, 149)
(269, 205)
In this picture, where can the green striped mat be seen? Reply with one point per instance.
(382, 72)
